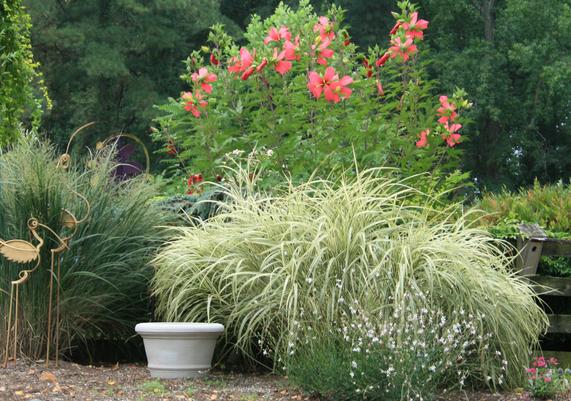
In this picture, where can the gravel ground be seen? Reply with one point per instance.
(29, 381)
(33, 382)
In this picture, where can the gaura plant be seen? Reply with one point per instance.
(300, 87)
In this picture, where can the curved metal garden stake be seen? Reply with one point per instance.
(21, 252)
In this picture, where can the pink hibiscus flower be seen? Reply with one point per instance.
(403, 49)
(325, 28)
(204, 78)
(243, 62)
(330, 85)
(291, 48)
(276, 35)
(446, 111)
(324, 52)
(194, 102)
(282, 66)
(415, 27)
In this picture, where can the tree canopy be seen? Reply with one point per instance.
(111, 61)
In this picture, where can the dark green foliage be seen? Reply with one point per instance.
(18, 71)
(110, 61)
(105, 274)
(513, 57)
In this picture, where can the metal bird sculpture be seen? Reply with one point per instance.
(23, 252)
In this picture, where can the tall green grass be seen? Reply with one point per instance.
(105, 274)
(277, 269)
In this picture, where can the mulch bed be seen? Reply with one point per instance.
(130, 382)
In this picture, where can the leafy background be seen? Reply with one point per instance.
(111, 61)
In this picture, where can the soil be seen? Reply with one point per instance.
(132, 382)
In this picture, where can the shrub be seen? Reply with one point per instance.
(547, 205)
(105, 273)
(299, 88)
(268, 267)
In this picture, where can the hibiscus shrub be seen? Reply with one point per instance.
(300, 88)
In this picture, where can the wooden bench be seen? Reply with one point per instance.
(532, 245)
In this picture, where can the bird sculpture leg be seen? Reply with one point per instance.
(9, 328)
(16, 312)
(58, 308)
(49, 335)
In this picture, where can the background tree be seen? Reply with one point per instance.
(513, 57)
(111, 61)
(18, 72)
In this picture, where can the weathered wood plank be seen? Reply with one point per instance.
(559, 324)
(556, 247)
(561, 285)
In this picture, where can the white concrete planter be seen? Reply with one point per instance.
(178, 350)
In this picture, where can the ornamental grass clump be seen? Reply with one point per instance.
(105, 273)
(277, 270)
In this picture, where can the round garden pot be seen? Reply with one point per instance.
(179, 350)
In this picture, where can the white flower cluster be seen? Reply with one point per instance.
(406, 351)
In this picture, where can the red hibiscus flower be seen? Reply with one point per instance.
(415, 27)
(403, 49)
(213, 59)
(330, 84)
(324, 52)
(281, 65)
(241, 63)
(193, 102)
(290, 49)
(423, 141)
(446, 111)
(276, 35)
(452, 139)
(325, 28)
(204, 78)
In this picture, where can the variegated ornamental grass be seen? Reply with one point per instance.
(271, 267)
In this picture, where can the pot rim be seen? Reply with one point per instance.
(178, 327)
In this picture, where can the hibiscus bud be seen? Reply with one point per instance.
(205, 49)
(381, 61)
(347, 40)
(395, 28)
(262, 65)
(213, 59)
(247, 73)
